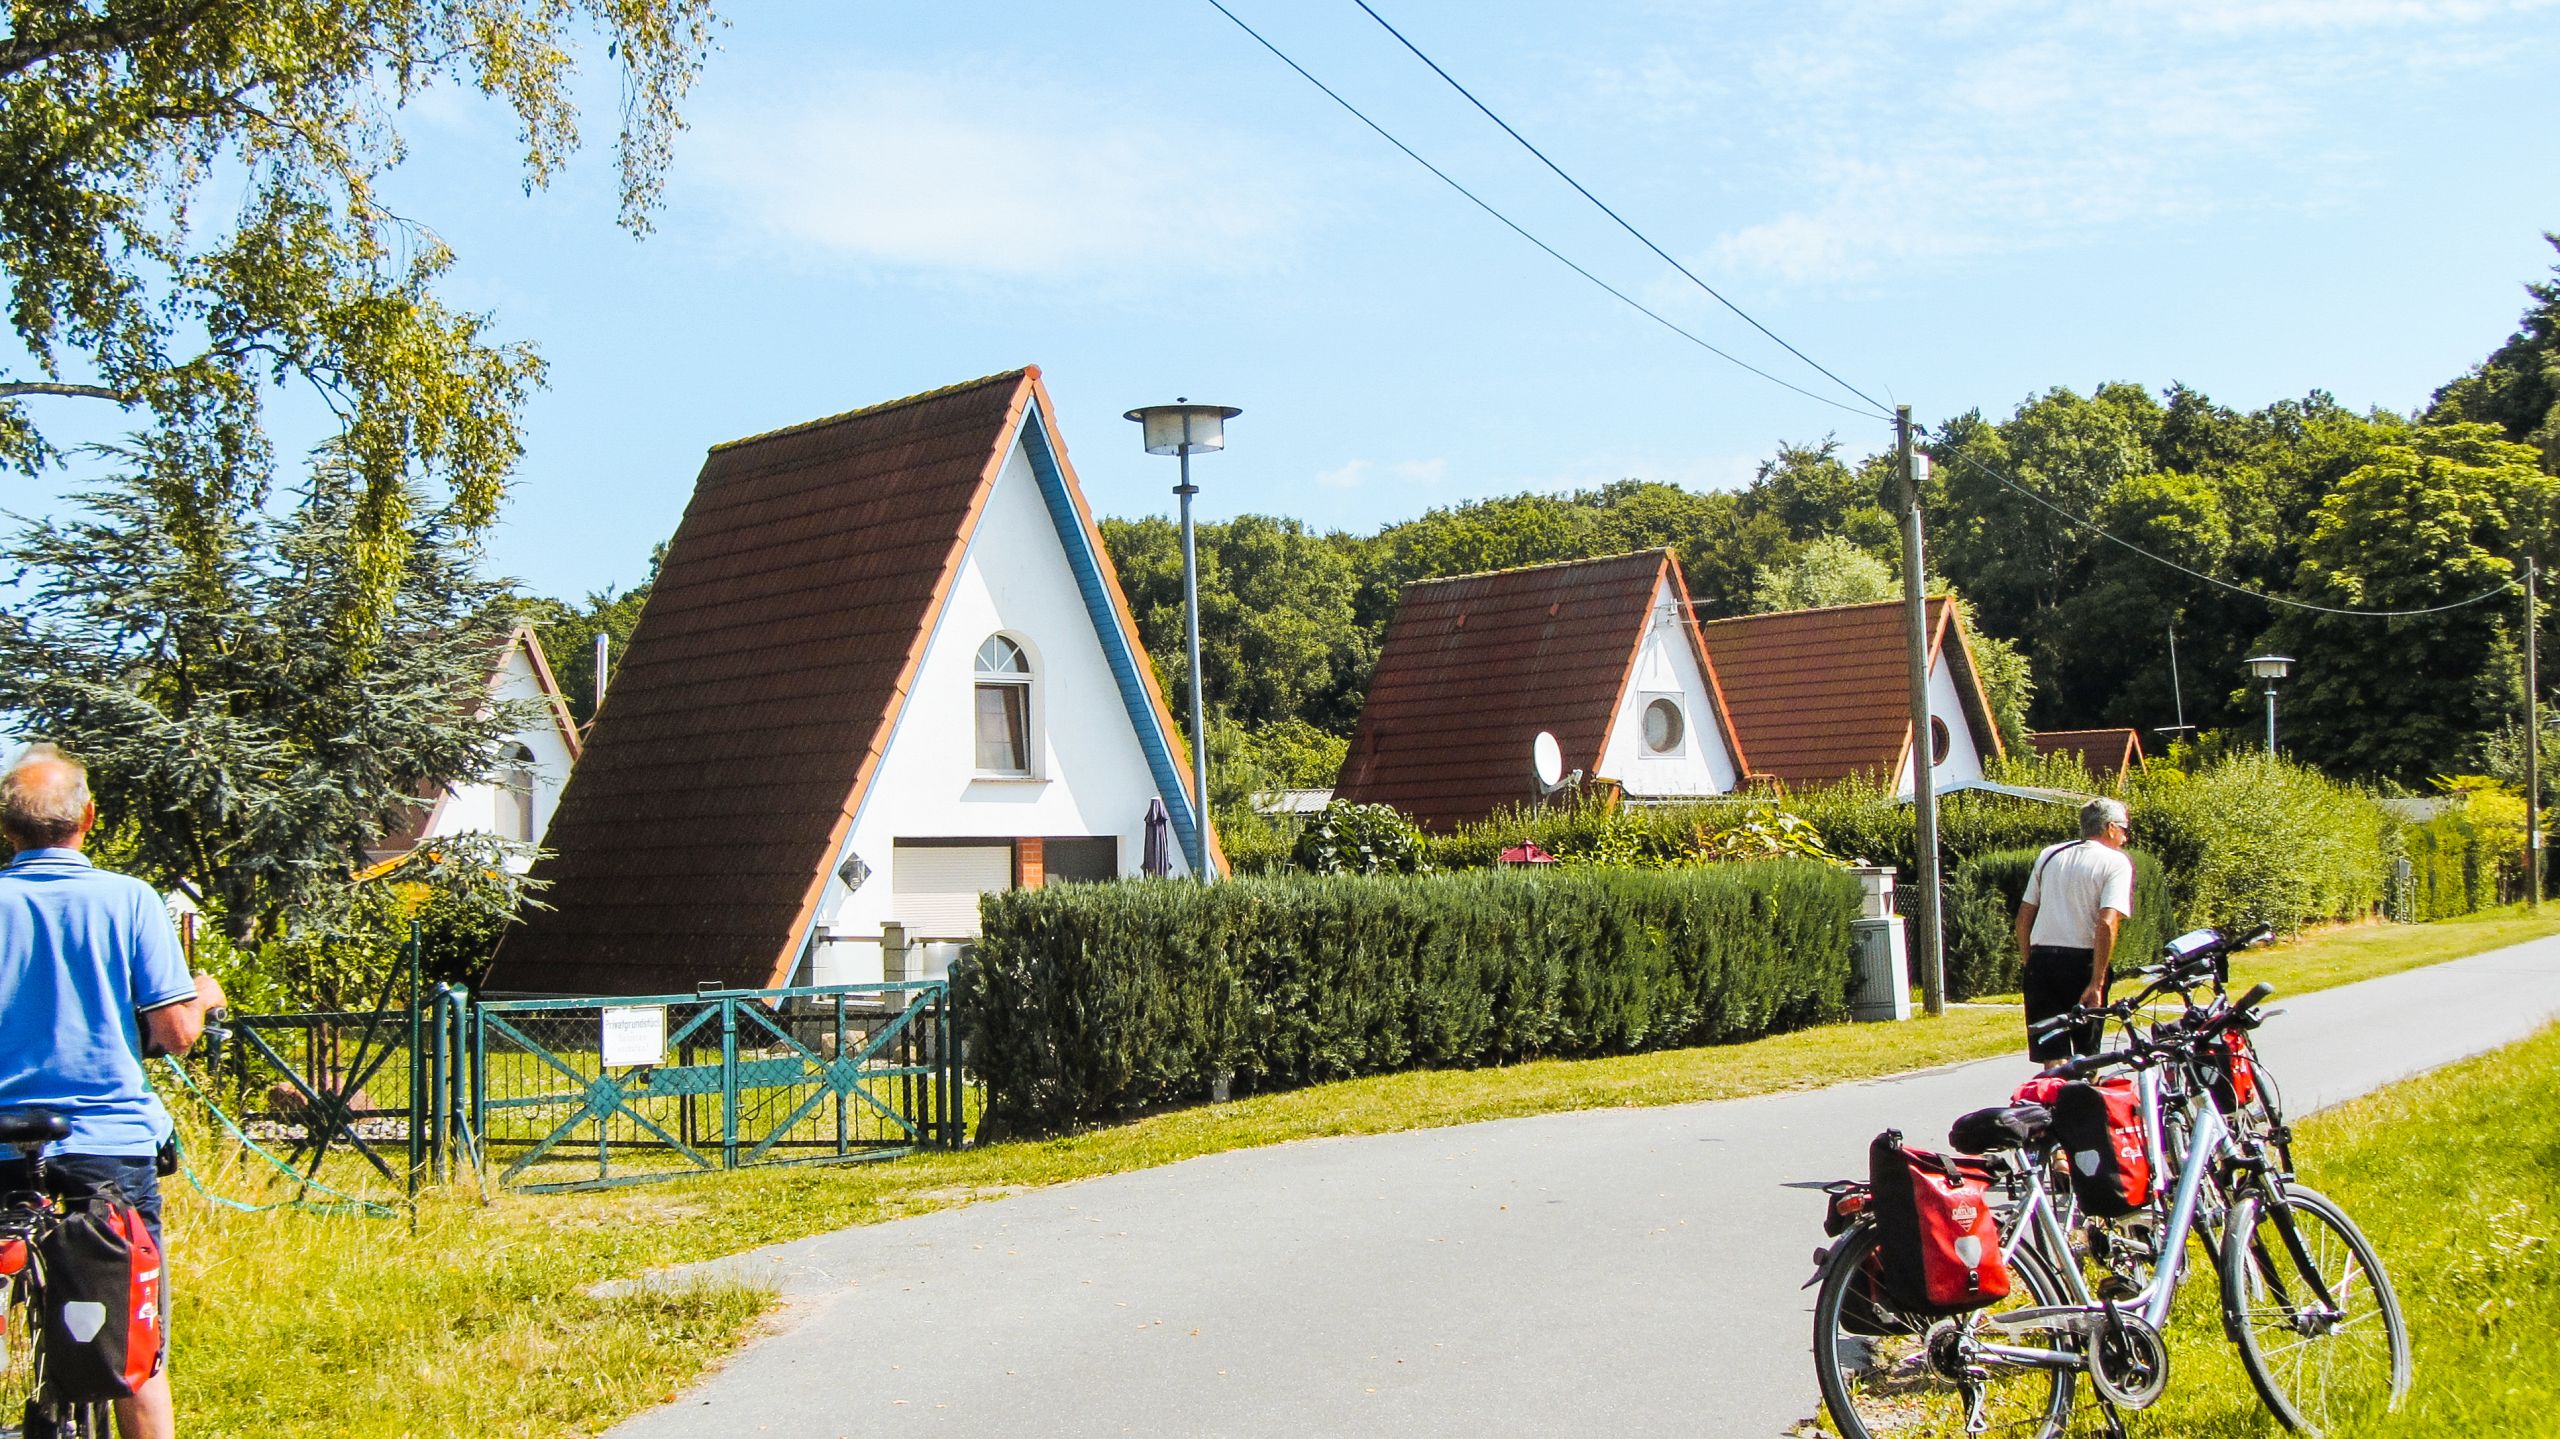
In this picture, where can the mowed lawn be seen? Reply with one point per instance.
(477, 1320)
(2455, 1177)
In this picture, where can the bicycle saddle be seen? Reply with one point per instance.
(2011, 1126)
(27, 1128)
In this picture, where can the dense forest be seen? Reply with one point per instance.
(2304, 499)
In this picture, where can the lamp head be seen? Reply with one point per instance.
(1169, 428)
(2270, 667)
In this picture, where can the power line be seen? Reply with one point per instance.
(1514, 227)
(2505, 587)
(1623, 224)
(1639, 307)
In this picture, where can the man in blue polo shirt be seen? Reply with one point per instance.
(89, 970)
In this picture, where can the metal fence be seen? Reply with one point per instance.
(553, 1094)
(329, 1084)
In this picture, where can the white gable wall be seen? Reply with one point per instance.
(1090, 775)
(1667, 667)
(472, 808)
(1964, 747)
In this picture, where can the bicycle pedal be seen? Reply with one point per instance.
(2119, 1288)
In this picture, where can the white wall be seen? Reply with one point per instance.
(1667, 666)
(1964, 754)
(1090, 775)
(472, 808)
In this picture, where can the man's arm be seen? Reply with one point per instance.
(2026, 927)
(174, 1028)
(2102, 951)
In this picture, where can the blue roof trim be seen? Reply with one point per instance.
(1116, 646)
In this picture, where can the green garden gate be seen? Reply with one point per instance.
(580, 1093)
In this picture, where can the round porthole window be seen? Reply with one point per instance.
(1663, 726)
(1939, 741)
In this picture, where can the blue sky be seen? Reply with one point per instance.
(1953, 205)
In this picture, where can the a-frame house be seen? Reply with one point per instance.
(885, 668)
(1601, 653)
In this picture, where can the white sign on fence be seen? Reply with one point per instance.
(635, 1034)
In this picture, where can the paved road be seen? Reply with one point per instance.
(1618, 1272)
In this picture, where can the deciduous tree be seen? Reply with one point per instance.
(136, 284)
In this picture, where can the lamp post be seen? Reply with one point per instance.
(1178, 429)
(2270, 668)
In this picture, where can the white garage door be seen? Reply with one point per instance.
(936, 886)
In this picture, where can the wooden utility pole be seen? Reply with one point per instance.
(1928, 955)
(2532, 733)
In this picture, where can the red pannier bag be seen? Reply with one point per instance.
(2040, 1090)
(102, 1301)
(2098, 1128)
(1935, 1230)
(2239, 1071)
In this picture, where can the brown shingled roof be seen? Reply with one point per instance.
(759, 691)
(1820, 695)
(2102, 752)
(1474, 666)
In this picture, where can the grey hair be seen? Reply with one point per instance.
(2097, 814)
(44, 796)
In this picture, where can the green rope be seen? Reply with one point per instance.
(345, 1203)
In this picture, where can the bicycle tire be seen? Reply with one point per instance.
(1896, 1393)
(2315, 1370)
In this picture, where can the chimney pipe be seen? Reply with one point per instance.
(604, 667)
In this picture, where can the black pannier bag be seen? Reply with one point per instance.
(2098, 1129)
(1935, 1229)
(102, 1301)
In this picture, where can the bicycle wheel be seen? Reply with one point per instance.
(2308, 1304)
(17, 1354)
(1885, 1374)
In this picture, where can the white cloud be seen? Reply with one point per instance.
(1902, 132)
(993, 176)
(1354, 474)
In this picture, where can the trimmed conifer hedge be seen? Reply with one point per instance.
(1084, 1003)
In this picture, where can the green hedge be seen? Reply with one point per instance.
(2468, 858)
(1085, 1003)
(2242, 840)
(1982, 916)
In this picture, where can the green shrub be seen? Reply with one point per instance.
(1085, 1003)
(1982, 917)
(2254, 839)
(1346, 838)
(2470, 855)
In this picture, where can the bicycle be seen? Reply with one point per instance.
(2013, 1368)
(26, 1218)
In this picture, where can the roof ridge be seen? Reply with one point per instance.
(944, 392)
(1824, 609)
(1545, 565)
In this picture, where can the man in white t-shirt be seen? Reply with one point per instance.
(2079, 893)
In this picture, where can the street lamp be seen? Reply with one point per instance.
(2270, 668)
(1179, 429)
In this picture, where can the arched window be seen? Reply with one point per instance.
(1003, 708)
(513, 781)
(1941, 739)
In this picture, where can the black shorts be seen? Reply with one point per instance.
(2054, 980)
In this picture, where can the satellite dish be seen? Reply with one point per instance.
(1548, 757)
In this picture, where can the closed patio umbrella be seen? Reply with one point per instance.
(1158, 858)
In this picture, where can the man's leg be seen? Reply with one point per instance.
(149, 1413)
(2052, 981)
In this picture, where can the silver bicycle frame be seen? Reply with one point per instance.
(2038, 1226)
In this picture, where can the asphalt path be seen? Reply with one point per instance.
(1618, 1272)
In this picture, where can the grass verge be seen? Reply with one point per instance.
(479, 1322)
(2455, 1177)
